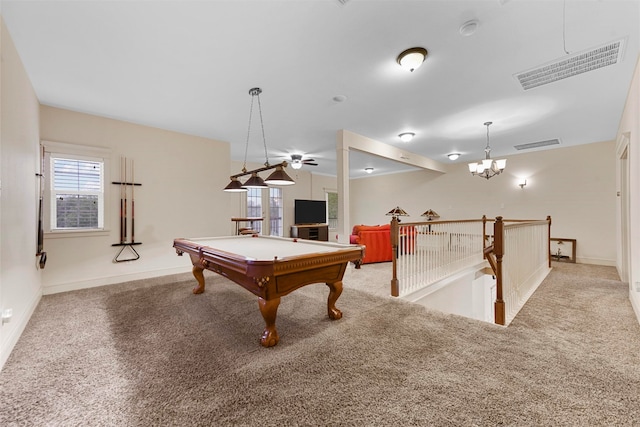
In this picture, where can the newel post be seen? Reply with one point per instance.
(395, 286)
(498, 250)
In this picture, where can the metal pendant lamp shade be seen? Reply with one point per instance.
(255, 182)
(235, 186)
(279, 177)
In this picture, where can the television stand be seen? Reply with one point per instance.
(318, 232)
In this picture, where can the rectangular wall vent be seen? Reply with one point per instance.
(531, 145)
(573, 65)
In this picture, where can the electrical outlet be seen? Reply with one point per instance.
(7, 314)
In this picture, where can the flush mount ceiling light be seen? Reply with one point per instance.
(368, 170)
(488, 167)
(412, 58)
(453, 156)
(278, 177)
(406, 136)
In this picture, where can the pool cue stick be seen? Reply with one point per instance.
(122, 187)
(41, 252)
(124, 222)
(133, 186)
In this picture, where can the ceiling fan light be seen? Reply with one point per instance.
(296, 164)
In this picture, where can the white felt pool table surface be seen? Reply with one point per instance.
(266, 248)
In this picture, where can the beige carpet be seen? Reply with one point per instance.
(150, 353)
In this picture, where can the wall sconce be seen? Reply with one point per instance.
(522, 182)
(368, 170)
(406, 136)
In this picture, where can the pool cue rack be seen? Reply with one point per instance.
(125, 185)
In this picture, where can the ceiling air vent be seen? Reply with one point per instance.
(573, 65)
(531, 145)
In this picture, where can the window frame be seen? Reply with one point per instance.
(280, 208)
(255, 194)
(75, 152)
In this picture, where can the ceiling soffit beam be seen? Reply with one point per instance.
(349, 140)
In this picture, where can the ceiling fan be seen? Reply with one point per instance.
(297, 161)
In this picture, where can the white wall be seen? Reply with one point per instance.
(181, 195)
(575, 185)
(20, 286)
(629, 131)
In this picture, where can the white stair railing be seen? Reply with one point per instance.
(518, 254)
(525, 263)
(430, 251)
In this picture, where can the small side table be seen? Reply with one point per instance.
(250, 220)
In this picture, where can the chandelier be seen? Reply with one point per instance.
(278, 177)
(488, 167)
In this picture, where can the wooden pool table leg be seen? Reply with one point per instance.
(269, 310)
(198, 273)
(335, 289)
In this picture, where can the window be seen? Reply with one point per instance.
(275, 211)
(332, 209)
(75, 191)
(254, 206)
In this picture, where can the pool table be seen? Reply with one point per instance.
(271, 267)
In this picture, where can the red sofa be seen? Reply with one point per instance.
(377, 242)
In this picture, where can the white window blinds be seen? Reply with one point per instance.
(77, 189)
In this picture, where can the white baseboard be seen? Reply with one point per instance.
(7, 347)
(112, 280)
(597, 261)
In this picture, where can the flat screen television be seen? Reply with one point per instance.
(310, 211)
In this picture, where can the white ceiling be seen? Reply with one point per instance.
(187, 66)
